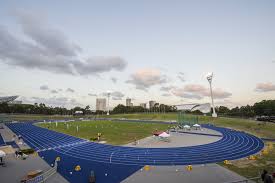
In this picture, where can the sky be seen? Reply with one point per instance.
(68, 53)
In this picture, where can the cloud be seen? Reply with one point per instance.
(180, 92)
(39, 31)
(166, 88)
(70, 90)
(44, 87)
(265, 87)
(194, 91)
(113, 79)
(92, 94)
(99, 65)
(50, 50)
(116, 98)
(220, 94)
(166, 95)
(145, 78)
(53, 101)
(181, 76)
(54, 91)
(116, 95)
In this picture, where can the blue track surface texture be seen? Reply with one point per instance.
(1, 140)
(112, 164)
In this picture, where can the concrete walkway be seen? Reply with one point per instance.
(178, 174)
(16, 168)
(178, 140)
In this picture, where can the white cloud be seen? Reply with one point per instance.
(53, 101)
(70, 90)
(44, 87)
(195, 91)
(145, 78)
(113, 79)
(116, 95)
(166, 95)
(50, 50)
(54, 91)
(166, 88)
(265, 87)
(92, 94)
(181, 76)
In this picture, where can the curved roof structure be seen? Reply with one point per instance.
(7, 99)
(204, 108)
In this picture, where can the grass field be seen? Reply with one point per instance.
(116, 133)
(260, 129)
(257, 128)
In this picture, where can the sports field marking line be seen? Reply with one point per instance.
(61, 146)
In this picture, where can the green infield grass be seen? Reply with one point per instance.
(113, 132)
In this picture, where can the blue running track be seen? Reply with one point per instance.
(1, 140)
(114, 163)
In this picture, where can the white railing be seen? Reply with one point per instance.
(43, 177)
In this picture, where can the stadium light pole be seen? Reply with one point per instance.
(108, 95)
(209, 77)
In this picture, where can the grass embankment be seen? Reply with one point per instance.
(25, 117)
(253, 168)
(116, 133)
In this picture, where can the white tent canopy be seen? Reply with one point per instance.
(164, 134)
(186, 126)
(197, 125)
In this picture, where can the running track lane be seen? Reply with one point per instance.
(115, 163)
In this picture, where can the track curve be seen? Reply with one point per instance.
(232, 145)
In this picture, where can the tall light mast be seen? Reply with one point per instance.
(108, 105)
(209, 77)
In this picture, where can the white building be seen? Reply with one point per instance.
(143, 105)
(152, 103)
(128, 102)
(101, 104)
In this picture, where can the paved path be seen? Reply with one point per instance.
(178, 174)
(178, 140)
(16, 168)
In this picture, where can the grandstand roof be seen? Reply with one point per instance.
(204, 108)
(7, 99)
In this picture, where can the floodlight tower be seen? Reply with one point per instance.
(108, 107)
(209, 77)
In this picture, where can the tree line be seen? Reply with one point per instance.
(40, 109)
(157, 108)
(263, 108)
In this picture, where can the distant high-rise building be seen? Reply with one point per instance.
(143, 105)
(152, 103)
(101, 104)
(128, 102)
